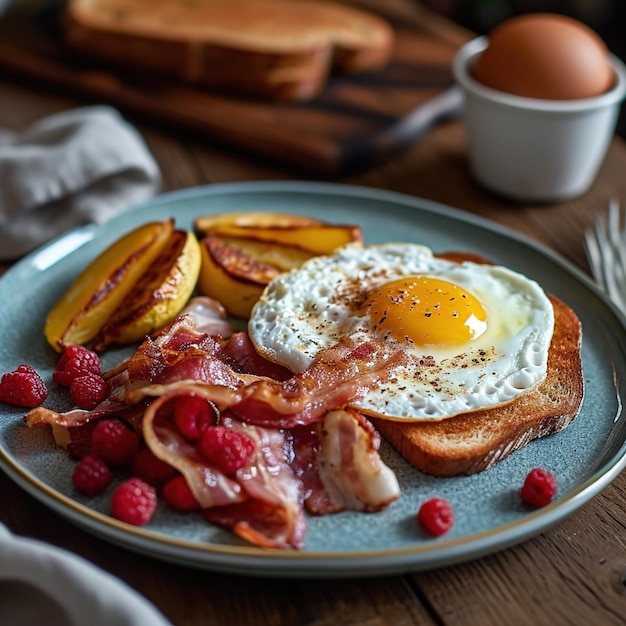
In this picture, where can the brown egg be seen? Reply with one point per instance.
(547, 56)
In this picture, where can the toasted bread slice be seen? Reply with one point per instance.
(472, 442)
(281, 49)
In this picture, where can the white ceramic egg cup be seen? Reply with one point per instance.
(531, 149)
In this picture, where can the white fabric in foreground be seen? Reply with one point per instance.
(42, 584)
(75, 167)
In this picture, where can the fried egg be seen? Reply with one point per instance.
(475, 335)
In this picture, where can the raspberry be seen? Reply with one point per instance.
(114, 442)
(193, 415)
(226, 449)
(88, 391)
(134, 502)
(75, 361)
(91, 476)
(435, 516)
(23, 387)
(539, 488)
(177, 494)
(151, 469)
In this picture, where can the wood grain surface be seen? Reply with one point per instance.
(574, 573)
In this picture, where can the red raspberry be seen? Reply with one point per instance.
(88, 391)
(436, 517)
(75, 361)
(226, 449)
(193, 415)
(114, 442)
(151, 469)
(177, 494)
(134, 502)
(539, 488)
(91, 476)
(23, 387)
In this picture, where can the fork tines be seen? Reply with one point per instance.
(605, 245)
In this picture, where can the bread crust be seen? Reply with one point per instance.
(279, 49)
(473, 442)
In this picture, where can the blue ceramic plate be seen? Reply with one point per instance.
(489, 515)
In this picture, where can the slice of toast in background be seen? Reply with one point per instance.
(278, 49)
(473, 442)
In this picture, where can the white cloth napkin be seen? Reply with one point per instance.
(78, 166)
(42, 584)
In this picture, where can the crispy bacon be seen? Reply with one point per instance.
(240, 353)
(339, 465)
(338, 376)
(181, 353)
(310, 451)
(72, 429)
(328, 469)
(350, 467)
(209, 317)
(209, 487)
(261, 502)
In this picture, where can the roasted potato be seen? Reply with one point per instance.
(242, 252)
(101, 287)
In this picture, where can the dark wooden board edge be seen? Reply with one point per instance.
(31, 48)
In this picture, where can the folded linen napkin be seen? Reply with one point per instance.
(78, 166)
(42, 584)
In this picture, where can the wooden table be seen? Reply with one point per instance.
(574, 573)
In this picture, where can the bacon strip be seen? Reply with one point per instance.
(210, 487)
(72, 429)
(350, 467)
(241, 355)
(181, 353)
(261, 502)
(338, 376)
(310, 451)
(209, 317)
(330, 468)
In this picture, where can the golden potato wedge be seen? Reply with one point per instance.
(208, 224)
(233, 276)
(316, 238)
(280, 228)
(158, 296)
(281, 256)
(242, 252)
(99, 289)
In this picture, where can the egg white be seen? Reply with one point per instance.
(313, 307)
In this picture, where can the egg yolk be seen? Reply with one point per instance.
(426, 311)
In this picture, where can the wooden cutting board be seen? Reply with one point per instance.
(356, 121)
